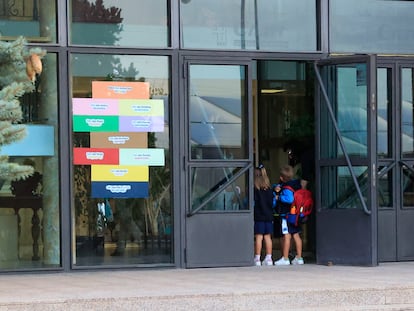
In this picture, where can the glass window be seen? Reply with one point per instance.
(122, 181)
(339, 188)
(407, 112)
(371, 26)
(212, 191)
(384, 117)
(217, 106)
(35, 20)
(126, 23)
(349, 101)
(30, 206)
(408, 186)
(249, 25)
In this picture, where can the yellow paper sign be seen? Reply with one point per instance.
(119, 173)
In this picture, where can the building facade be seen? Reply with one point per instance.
(149, 117)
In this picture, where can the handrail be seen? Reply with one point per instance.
(385, 170)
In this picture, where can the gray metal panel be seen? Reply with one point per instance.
(344, 237)
(405, 234)
(387, 246)
(219, 240)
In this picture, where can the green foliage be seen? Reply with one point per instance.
(14, 83)
(302, 128)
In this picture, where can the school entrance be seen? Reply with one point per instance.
(284, 130)
(240, 113)
(346, 124)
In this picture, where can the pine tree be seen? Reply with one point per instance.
(19, 67)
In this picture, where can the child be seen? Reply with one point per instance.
(263, 216)
(284, 198)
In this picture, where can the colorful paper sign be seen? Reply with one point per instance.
(120, 190)
(141, 124)
(120, 90)
(95, 123)
(141, 107)
(149, 157)
(118, 118)
(91, 156)
(118, 140)
(95, 106)
(119, 173)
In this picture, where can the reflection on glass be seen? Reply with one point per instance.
(384, 106)
(385, 194)
(30, 208)
(339, 188)
(210, 187)
(407, 112)
(372, 26)
(408, 186)
(217, 105)
(141, 23)
(348, 96)
(249, 25)
(35, 20)
(131, 222)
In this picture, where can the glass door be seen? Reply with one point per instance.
(218, 164)
(405, 214)
(346, 225)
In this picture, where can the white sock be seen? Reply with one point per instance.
(257, 257)
(268, 256)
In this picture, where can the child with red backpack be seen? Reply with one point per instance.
(284, 197)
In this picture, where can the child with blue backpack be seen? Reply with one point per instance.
(283, 197)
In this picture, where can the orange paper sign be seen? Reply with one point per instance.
(120, 90)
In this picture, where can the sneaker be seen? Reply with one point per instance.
(298, 261)
(257, 262)
(267, 262)
(282, 262)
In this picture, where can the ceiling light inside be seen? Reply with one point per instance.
(272, 91)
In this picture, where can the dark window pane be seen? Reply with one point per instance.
(339, 190)
(384, 116)
(385, 193)
(408, 187)
(210, 188)
(407, 112)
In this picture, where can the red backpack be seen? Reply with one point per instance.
(301, 207)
